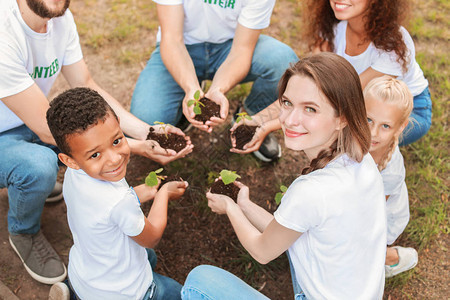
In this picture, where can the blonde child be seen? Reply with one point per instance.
(389, 104)
(109, 259)
(331, 218)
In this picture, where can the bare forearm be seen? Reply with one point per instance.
(232, 71)
(179, 64)
(257, 215)
(157, 215)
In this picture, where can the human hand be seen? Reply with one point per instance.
(189, 113)
(152, 150)
(219, 203)
(243, 195)
(169, 129)
(174, 189)
(217, 96)
(254, 144)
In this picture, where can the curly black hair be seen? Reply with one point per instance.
(74, 111)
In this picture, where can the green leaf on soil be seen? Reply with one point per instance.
(197, 95)
(151, 179)
(190, 102)
(197, 110)
(228, 176)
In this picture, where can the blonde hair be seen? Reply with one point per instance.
(387, 89)
(339, 82)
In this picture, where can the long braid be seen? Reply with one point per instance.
(324, 157)
(388, 155)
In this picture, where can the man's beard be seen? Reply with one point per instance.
(39, 8)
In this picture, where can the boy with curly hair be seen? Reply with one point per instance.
(109, 259)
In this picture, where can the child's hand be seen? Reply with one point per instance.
(174, 189)
(145, 192)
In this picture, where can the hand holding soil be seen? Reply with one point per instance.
(174, 189)
(225, 184)
(247, 136)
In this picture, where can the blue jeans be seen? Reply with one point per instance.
(28, 169)
(421, 116)
(157, 97)
(163, 288)
(298, 292)
(212, 283)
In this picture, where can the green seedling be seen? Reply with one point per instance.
(164, 126)
(243, 116)
(280, 195)
(229, 176)
(196, 102)
(152, 177)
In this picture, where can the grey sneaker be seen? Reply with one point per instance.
(407, 259)
(59, 291)
(39, 258)
(56, 194)
(270, 149)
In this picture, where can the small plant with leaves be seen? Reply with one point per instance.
(280, 194)
(225, 186)
(196, 102)
(228, 176)
(243, 116)
(163, 126)
(152, 177)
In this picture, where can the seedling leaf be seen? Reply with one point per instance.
(190, 102)
(197, 110)
(197, 95)
(278, 197)
(151, 179)
(283, 188)
(228, 176)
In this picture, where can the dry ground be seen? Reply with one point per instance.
(117, 38)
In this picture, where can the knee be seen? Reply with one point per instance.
(41, 169)
(276, 56)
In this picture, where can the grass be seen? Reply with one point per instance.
(127, 22)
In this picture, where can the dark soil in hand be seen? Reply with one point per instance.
(169, 141)
(169, 179)
(243, 134)
(211, 109)
(229, 190)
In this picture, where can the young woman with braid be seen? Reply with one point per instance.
(368, 33)
(332, 219)
(389, 104)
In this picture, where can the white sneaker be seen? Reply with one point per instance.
(407, 259)
(59, 291)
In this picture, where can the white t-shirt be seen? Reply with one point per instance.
(341, 212)
(397, 205)
(28, 57)
(382, 61)
(215, 21)
(105, 262)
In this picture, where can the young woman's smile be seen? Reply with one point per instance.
(307, 118)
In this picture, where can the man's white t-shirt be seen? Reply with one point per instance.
(382, 61)
(397, 205)
(341, 212)
(28, 57)
(215, 21)
(105, 262)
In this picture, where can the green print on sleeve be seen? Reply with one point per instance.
(222, 3)
(45, 72)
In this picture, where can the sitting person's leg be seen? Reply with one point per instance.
(209, 282)
(28, 170)
(270, 60)
(162, 287)
(421, 116)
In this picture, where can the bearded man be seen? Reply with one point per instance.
(38, 40)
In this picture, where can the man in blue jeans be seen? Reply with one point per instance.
(39, 40)
(218, 40)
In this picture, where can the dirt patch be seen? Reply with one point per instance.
(230, 190)
(168, 141)
(209, 109)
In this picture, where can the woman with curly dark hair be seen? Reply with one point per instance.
(368, 34)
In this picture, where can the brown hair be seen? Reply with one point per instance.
(390, 90)
(382, 25)
(339, 82)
